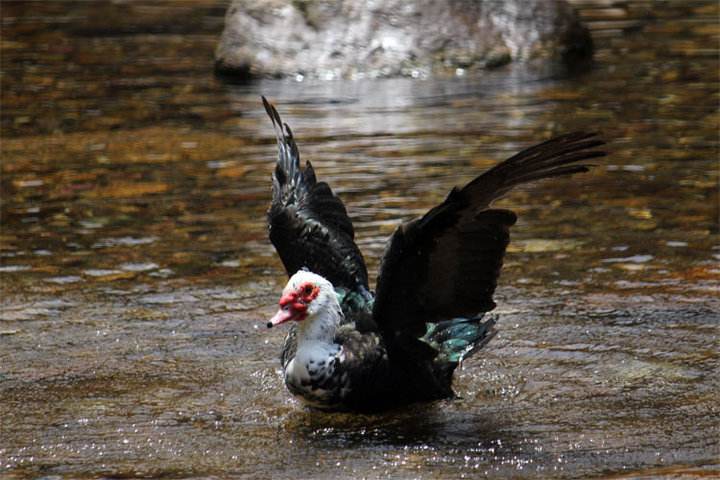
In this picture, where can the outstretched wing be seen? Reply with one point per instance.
(446, 264)
(309, 225)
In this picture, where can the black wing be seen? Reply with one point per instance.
(446, 264)
(309, 225)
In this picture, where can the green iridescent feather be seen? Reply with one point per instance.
(457, 338)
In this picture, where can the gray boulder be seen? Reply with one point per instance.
(382, 38)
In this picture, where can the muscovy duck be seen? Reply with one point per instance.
(352, 349)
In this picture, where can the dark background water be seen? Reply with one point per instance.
(137, 274)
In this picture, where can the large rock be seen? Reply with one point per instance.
(374, 38)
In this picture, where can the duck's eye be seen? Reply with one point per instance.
(308, 289)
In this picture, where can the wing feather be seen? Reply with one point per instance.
(446, 263)
(309, 225)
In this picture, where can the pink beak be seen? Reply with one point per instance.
(284, 314)
(290, 309)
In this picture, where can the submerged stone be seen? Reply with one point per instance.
(347, 39)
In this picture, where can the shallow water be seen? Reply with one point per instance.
(137, 275)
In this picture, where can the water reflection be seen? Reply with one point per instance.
(136, 271)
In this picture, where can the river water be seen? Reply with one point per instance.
(137, 275)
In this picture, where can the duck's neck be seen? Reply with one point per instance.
(314, 362)
(320, 328)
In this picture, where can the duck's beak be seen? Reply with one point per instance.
(284, 314)
(290, 309)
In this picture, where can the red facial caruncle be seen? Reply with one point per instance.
(294, 304)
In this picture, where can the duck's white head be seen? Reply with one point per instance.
(305, 295)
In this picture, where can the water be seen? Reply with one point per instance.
(137, 275)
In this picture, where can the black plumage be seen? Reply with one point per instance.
(436, 280)
(309, 225)
(446, 264)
